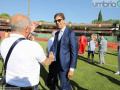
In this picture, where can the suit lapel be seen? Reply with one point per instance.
(65, 35)
(57, 36)
(56, 39)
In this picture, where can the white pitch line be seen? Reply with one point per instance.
(111, 65)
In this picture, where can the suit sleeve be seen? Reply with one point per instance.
(73, 50)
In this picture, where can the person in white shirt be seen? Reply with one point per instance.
(52, 67)
(92, 45)
(23, 67)
(118, 72)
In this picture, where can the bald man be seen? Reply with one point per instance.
(23, 67)
(102, 50)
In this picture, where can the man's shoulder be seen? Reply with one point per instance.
(51, 40)
(4, 40)
(30, 43)
(70, 30)
(104, 40)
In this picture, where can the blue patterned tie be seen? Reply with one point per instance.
(60, 34)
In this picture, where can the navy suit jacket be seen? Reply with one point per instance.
(68, 49)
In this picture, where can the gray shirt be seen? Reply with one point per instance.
(103, 45)
(92, 45)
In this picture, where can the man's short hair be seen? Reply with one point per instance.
(19, 25)
(59, 14)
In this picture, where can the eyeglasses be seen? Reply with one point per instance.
(57, 20)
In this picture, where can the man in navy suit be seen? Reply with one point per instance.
(65, 50)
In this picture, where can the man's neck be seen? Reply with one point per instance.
(62, 28)
(14, 32)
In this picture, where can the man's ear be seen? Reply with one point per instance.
(26, 29)
(64, 21)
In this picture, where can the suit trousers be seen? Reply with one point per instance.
(53, 74)
(119, 63)
(101, 57)
(64, 80)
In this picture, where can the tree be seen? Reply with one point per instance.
(70, 22)
(41, 21)
(94, 21)
(100, 17)
(5, 15)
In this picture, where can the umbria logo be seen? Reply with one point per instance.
(118, 3)
(106, 3)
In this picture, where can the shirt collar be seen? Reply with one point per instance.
(63, 29)
(16, 35)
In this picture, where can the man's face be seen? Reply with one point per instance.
(60, 22)
(92, 38)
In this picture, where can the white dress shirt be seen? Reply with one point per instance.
(61, 32)
(23, 69)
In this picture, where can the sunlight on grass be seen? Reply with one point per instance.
(89, 76)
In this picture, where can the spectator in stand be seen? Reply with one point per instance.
(92, 45)
(82, 43)
(99, 42)
(102, 50)
(53, 71)
(118, 72)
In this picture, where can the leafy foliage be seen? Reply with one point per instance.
(103, 21)
(5, 15)
(100, 16)
(70, 22)
(41, 21)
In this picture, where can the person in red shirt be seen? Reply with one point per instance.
(82, 43)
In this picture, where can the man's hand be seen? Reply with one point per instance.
(49, 60)
(95, 51)
(70, 74)
(34, 25)
(51, 56)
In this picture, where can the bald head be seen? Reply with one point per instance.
(18, 22)
(101, 37)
